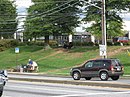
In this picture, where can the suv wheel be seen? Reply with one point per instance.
(76, 76)
(115, 77)
(87, 78)
(1, 92)
(104, 76)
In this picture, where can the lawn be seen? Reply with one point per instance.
(58, 60)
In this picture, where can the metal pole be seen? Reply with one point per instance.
(104, 41)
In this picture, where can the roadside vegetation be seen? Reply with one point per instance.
(59, 60)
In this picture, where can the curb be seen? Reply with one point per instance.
(124, 86)
(50, 75)
(74, 82)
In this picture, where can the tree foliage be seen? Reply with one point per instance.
(8, 16)
(114, 22)
(52, 17)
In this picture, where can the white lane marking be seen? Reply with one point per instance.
(88, 94)
(43, 89)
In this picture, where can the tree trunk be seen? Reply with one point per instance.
(47, 39)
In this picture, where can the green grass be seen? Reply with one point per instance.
(125, 60)
(57, 61)
(66, 59)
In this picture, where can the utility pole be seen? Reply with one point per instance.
(104, 40)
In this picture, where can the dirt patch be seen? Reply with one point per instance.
(55, 53)
(115, 52)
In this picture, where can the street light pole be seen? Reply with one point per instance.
(104, 38)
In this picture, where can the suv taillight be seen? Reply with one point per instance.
(112, 68)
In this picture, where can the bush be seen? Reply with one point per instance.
(6, 43)
(109, 43)
(77, 43)
(117, 43)
(83, 43)
(128, 43)
(53, 43)
(38, 43)
(13, 43)
(90, 44)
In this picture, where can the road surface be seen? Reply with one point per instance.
(40, 89)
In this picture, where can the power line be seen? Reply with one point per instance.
(61, 9)
(8, 22)
(50, 2)
(54, 8)
(48, 10)
(7, 32)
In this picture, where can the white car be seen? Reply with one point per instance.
(4, 76)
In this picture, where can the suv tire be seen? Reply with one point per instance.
(115, 77)
(104, 76)
(1, 92)
(76, 76)
(87, 78)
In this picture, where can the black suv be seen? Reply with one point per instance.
(103, 68)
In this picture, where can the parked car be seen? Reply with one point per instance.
(3, 80)
(123, 39)
(4, 76)
(1, 86)
(103, 68)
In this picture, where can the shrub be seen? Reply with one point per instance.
(53, 43)
(7, 43)
(77, 43)
(38, 43)
(83, 44)
(109, 43)
(14, 43)
(117, 43)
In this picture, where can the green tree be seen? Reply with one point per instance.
(114, 22)
(52, 17)
(8, 16)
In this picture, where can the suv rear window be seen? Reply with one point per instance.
(116, 62)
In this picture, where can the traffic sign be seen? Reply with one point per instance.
(102, 49)
(16, 50)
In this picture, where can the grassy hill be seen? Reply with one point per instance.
(59, 60)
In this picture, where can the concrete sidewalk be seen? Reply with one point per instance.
(36, 77)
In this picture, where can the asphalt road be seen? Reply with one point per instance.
(41, 89)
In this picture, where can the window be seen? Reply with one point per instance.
(89, 64)
(97, 63)
(114, 63)
(106, 63)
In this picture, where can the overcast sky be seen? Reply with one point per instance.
(23, 3)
